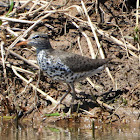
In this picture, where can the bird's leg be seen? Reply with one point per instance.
(73, 98)
(63, 97)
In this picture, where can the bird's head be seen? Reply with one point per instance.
(38, 40)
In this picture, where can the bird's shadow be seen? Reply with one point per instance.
(87, 102)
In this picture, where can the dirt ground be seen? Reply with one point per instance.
(68, 26)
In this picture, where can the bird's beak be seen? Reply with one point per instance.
(22, 43)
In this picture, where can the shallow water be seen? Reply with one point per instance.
(43, 131)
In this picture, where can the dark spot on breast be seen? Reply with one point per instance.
(62, 69)
(52, 70)
(71, 78)
(57, 75)
(62, 72)
(50, 73)
(71, 74)
(56, 68)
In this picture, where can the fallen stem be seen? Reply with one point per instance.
(54, 102)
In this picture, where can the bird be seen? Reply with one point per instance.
(61, 65)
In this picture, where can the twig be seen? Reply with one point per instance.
(116, 41)
(23, 91)
(137, 23)
(88, 40)
(28, 30)
(93, 31)
(11, 32)
(54, 102)
(105, 105)
(86, 111)
(137, 13)
(104, 33)
(97, 40)
(16, 20)
(37, 10)
(3, 62)
(25, 4)
(22, 58)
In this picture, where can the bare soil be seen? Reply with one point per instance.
(116, 18)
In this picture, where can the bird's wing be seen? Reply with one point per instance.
(78, 63)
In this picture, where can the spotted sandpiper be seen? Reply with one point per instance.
(61, 65)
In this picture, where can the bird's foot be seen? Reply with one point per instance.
(69, 113)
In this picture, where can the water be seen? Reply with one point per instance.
(68, 131)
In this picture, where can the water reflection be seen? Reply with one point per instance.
(75, 131)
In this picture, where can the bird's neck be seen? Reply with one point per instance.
(45, 49)
(44, 46)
